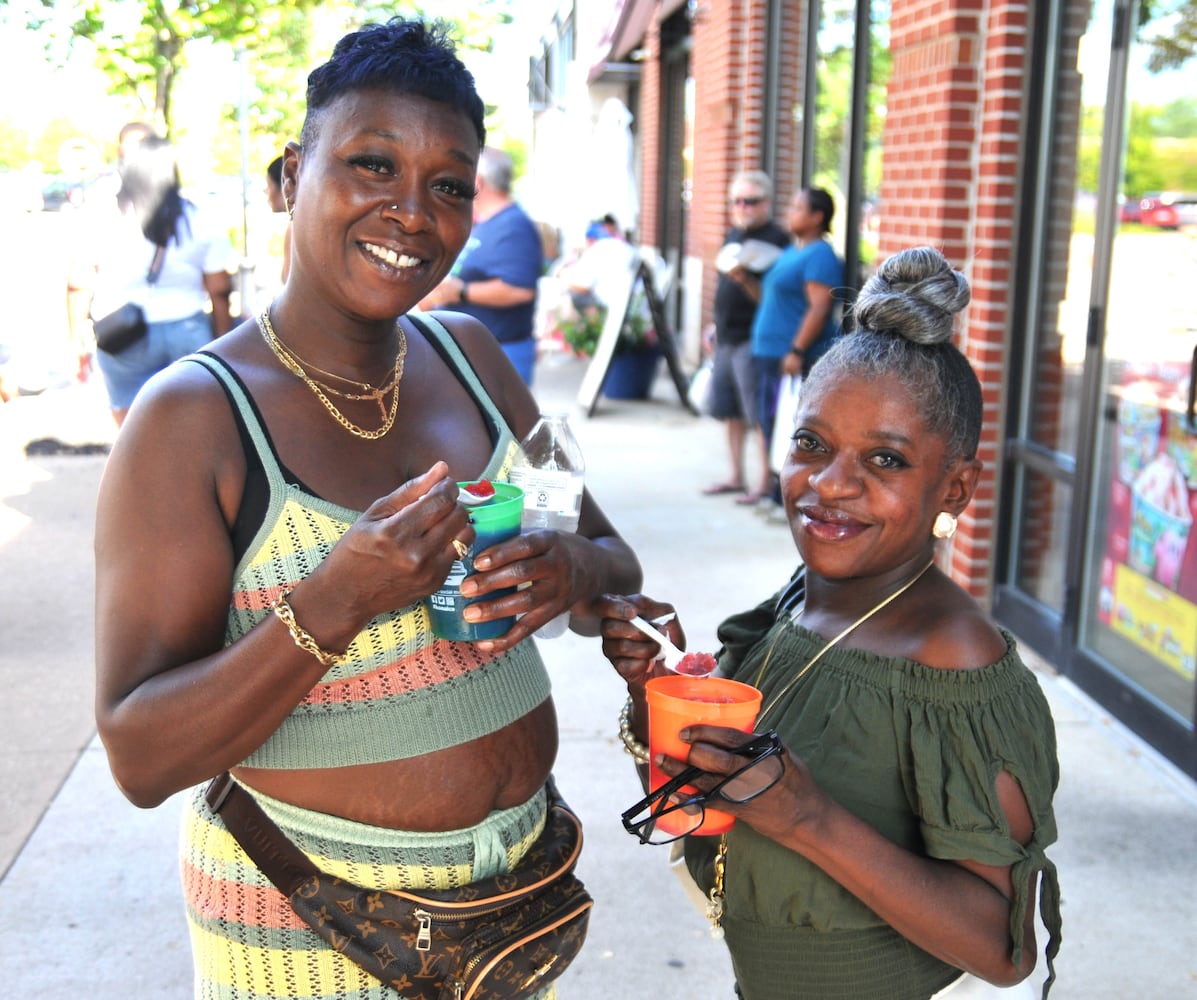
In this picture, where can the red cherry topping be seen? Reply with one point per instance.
(484, 488)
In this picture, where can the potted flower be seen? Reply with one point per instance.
(582, 330)
(633, 365)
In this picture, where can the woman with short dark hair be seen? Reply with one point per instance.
(273, 520)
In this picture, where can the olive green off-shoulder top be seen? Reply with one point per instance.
(912, 750)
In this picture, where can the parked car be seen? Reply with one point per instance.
(1168, 209)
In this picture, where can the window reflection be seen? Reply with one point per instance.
(1139, 610)
(832, 105)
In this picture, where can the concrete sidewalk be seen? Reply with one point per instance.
(90, 904)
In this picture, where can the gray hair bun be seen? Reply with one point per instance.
(915, 294)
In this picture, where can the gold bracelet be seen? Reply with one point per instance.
(302, 639)
(632, 745)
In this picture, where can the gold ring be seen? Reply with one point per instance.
(460, 548)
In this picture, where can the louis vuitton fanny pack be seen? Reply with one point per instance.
(507, 936)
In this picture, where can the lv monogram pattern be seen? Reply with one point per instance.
(505, 937)
(502, 938)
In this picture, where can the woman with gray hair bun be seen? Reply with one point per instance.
(916, 294)
(900, 852)
(910, 307)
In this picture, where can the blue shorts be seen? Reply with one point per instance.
(125, 373)
(733, 385)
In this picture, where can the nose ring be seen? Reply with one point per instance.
(394, 208)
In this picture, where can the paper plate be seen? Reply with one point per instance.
(728, 256)
(756, 255)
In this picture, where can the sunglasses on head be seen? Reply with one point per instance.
(673, 810)
(748, 202)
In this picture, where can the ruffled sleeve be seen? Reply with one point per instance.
(961, 736)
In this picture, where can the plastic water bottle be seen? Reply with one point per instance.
(551, 472)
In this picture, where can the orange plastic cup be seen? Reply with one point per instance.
(678, 701)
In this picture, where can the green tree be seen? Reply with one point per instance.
(15, 145)
(1141, 169)
(1170, 30)
(1178, 119)
(141, 45)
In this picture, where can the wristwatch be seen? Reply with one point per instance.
(798, 351)
(462, 294)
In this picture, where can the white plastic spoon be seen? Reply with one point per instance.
(474, 499)
(671, 656)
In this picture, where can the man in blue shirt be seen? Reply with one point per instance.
(494, 279)
(796, 320)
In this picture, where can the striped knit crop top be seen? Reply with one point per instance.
(401, 692)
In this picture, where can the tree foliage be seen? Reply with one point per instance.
(1170, 31)
(143, 48)
(142, 45)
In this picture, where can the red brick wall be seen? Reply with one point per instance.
(951, 163)
(649, 115)
(729, 65)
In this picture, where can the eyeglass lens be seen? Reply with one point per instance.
(749, 202)
(754, 778)
(673, 810)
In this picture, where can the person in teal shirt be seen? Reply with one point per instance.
(796, 321)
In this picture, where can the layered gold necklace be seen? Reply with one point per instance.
(359, 391)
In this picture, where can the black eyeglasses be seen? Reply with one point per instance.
(673, 810)
(747, 202)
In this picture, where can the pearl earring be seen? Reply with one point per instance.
(945, 525)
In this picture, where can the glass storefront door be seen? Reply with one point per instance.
(1138, 610)
(1099, 557)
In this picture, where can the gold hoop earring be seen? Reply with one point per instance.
(945, 525)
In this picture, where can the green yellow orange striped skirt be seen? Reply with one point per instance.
(247, 942)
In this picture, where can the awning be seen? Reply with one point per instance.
(623, 35)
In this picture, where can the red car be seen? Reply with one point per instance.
(1168, 209)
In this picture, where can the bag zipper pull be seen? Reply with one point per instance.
(424, 934)
(538, 973)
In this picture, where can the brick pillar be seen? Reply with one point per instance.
(649, 115)
(729, 65)
(951, 163)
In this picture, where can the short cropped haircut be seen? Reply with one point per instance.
(401, 57)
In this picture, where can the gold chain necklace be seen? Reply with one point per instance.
(364, 389)
(819, 655)
(390, 385)
(715, 905)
